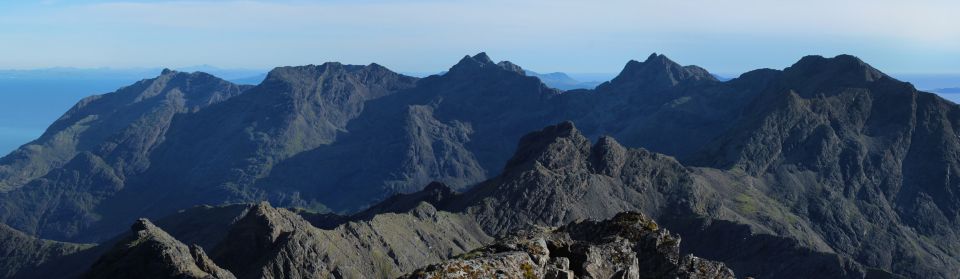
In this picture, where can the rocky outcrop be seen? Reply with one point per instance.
(149, 252)
(630, 245)
(557, 177)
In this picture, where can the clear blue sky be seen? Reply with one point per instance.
(430, 35)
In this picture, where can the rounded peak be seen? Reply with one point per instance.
(606, 141)
(376, 66)
(842, 68)
(167, 71)
(436, 186)
(142, 224)
(482, 63)
(312, 70)
(817, 62)
(553, 146)
(262, 206)
(607, 156)
(658, 71)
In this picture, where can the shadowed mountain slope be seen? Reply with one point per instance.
(52, 186)
(19, 251)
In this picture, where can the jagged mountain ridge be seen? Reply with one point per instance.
(557, 176)
(461, 127)
(260, 241)
(149, 252)
(263, 242)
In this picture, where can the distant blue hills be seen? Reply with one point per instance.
(563, 81)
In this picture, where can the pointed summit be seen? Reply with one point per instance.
(478, 60)
(658, 72)
(150, 252)
(483, 58)
(482, 62)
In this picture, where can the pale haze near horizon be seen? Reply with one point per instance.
(427, 36)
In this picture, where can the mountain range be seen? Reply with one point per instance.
(828, 168)
(562, 81)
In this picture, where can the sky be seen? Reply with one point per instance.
(430, 35)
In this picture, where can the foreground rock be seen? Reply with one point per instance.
(630, 245)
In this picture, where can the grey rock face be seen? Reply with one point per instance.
(149, 252)
(630, 245)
